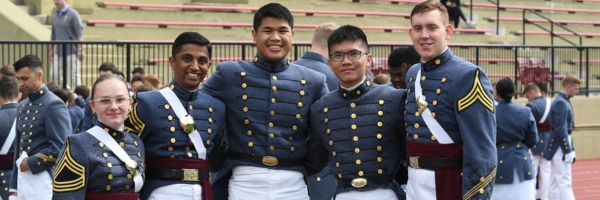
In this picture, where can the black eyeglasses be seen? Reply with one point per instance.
(352, 55)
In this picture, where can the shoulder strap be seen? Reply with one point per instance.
(181, 112)
(548, 103)
(10, 139)
(435, 127)
(105, 138)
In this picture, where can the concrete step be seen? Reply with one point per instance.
(43, 19)
(30, 10)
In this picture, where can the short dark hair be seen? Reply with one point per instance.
(430, 5)
(274, 10)
(505, 89)
(395, 58)
(138, 78)
(9, 88)
(119, 73)
(543, 85)
(410, 56)
(83, 91)
(8, 70)
(187, 38)
(62, 94)
(52, 86)
(144, 88)
(104, 78)
(347, 32)
(531, 87)
(108, 66)
(31, 61)
(138, 70)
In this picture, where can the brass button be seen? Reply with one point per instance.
(379, 159)
(294, 127)
(250, 144)
(417, 114)
(129, 176)
(423, 78)
(433, 137)
(328, 131)
(326, 120)
(379, 148)
(416, 136)
(481, 179)
(246, 121)
(333, 153)
(274, 88)
(353, 126)
(139, 154)
(524, 158)
(339, 175)
(271, 135)
(172, 129)
(244, 97)
(187, 148)
(108, 188)
(191, 107)
(481, 190)
(298, 116)
(501, 177)
(380, 171)
(243, 74)
(352, 105)
(380, 124)
(303, 81)
(272, 100)
(501, 161)
(173, 140)
(209, 130)
(167, 106)
(416, 125)
(381, 102)
(438, 91)
(433, 114)
(302, 93)
(109, 165)
(337, 164)
(189, 154)
(318, 179)
(127, 187)
(244, 85)
(330, 142)
(357, 92)
(170, 148)
(358, 161)
(356, 150)
(101, 144)
(355, 138)
(210, 109)
(435, 102)
(271, 124)
(271, 147)
(292, 148)
(170, 117)
(122, 144)
(361, 173)
(272, 113)
(249, 132)
(325, 110)
(110, 177)
(210, 120)
(380, 113)
(379, 136)
(105, 154)
(444, 80)
(300, 104)
(245, 109)
(291, 138)
(353, 115)
(368, 83)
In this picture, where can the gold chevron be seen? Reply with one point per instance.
(481, 185)
(68, 164)
(136, 124)
(477, 93)
(45, 157)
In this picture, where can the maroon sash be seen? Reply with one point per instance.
(187, 163)
(544, 127)
(111, 196)
(448, 181)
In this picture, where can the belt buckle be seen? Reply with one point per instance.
(270, 160)
(190, 175)
(414, 161)
(358, 182)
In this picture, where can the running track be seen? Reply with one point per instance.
(586, 179)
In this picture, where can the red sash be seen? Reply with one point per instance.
(448, 181)
(111, 196)
(187, 163)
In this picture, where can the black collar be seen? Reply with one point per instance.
(269, 66)
(358, 91)
(116, 134)
(37, 94)
(183, 93)
(437, 61)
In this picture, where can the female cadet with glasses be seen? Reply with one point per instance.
(105, 162)
(516, 133)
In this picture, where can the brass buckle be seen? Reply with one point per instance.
(359, 182)
(190, 175)
(414, 162)
(270, 161)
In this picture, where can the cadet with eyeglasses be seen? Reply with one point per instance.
(104, 162)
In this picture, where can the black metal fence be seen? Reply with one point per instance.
(523, 64)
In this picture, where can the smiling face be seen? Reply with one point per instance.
(350, 72)
(273, 39)
(429, 34)
(190, 65)
(113, 115)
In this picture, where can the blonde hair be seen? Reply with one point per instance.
(321, 34)
(430, 5)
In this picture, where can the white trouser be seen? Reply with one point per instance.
(267, 184)
(515, 191)
(421, 184)
(380, 193)
(560, 179)
(32, 186)
(544, 175)
(177, 191)
(73, 67)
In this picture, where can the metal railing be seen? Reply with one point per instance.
(498, 61)
(551, 31)
(497, 3)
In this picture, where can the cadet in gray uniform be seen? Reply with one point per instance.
(267, 101)
(9, 95)
(516, 133)
(178, 167)
(42, 127)
(361, 123)
(104, 162)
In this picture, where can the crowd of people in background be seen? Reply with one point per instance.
(322, 127)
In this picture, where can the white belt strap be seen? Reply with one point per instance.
(435, 127)
(180, 112)
(548, 102)
(105, 138)
(10, 139)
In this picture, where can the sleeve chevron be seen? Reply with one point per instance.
(477, 93)
(133, 123)
(480, 187)
(69, 175)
